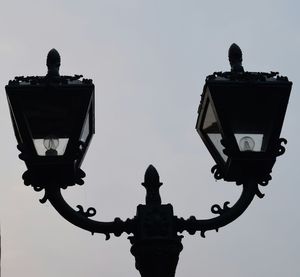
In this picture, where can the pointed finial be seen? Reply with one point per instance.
(151, 175)
(235, 56)
(53, 63)
(152, 184)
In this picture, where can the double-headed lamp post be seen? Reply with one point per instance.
(240, 119)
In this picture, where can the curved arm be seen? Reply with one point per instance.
(81, 218)
(226, 214)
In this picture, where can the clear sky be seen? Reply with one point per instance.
(149, 60)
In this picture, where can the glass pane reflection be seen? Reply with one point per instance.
(212, 130)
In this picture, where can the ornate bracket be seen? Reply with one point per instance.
(226, 214)
(153, 219)
(81, 218)
(155, 228)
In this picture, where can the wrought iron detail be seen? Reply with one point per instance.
(34, 80)
(280, 148)
(202, 233)
(225, 216)
(246, 76)
(80, 174)
(30, 179)
(44, 199)
(216, 170)
(88, 213)
(23, 155)
(216, 209)
(162, 225)
(53, 64)
(264, 182)
(82, 219)
(259, 194)
(39, 183)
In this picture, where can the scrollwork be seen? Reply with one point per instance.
(41, 181)
(107, 236)
(202, 233)
(265, 181)
(225, 214)
(218, 174)
(262, 182)
(216, 209)
(280, 148)
(44, 199)
(259, 194)
(88, 213)
(82, 217)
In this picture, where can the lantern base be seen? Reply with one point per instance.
(239, 170)
(61, 175)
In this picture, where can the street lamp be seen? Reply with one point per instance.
(240, 120)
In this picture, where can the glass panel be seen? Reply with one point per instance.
(86, 129)
(216, 140)
(50, 146)
(210, 121)
(211, 129)
(250, 142)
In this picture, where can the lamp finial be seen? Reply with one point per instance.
(53, 63)
(235, 56)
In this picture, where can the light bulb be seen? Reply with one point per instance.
(246, 144)
(51, 143)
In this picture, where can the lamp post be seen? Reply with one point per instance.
(240, 120)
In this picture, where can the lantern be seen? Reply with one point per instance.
(240, 120)
(53, 119)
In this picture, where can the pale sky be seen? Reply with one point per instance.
(148, 61)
